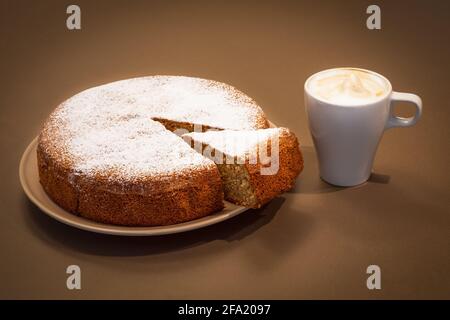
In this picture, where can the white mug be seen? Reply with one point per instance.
(346, 137)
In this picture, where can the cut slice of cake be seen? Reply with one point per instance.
(255, 165)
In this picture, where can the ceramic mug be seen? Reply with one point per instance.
(346, 137)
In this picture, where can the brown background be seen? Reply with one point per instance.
(314, 242)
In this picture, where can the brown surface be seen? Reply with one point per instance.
(315, 242)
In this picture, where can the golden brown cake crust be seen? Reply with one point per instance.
(266, 187)
(197, 194)
(102, 155)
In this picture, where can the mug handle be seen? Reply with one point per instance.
(395, 121)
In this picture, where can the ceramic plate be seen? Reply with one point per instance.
(29, 178)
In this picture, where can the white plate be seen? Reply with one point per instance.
(29, 178)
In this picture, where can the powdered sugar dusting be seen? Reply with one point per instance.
(109, 128)
(132, 148)
(234, 143)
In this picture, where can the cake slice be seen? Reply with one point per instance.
(255, 165)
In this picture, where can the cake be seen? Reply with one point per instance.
(255, 165)
(109, 153)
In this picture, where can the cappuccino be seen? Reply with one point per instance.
(348, 86)
(348, 111)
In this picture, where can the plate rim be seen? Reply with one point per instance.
(110, 229)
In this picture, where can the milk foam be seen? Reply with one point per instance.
(347, 87)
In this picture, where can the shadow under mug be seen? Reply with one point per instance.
(346, 137)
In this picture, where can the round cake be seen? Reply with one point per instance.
(109, 153)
